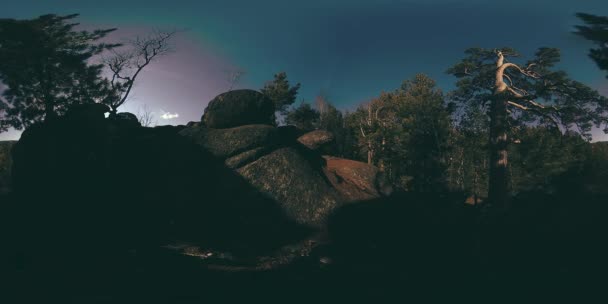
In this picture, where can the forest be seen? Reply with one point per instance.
(495, 183)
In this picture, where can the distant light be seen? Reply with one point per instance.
(168, 115)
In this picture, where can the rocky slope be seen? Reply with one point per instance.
(279, 162)
(249, 188)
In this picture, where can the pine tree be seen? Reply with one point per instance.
(280, 92)
(304, 117)
(533, 92)
(44, 64)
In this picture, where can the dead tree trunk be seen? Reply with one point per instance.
(368, 122)
(498, 193)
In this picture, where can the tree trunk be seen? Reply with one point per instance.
(498, 193)
(498, 190)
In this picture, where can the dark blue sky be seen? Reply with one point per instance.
(351, 49)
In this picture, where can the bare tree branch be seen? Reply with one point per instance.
(521, 107)
(127, 65)
(146, 117)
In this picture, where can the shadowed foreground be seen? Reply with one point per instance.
(105, 211)
(404, 247)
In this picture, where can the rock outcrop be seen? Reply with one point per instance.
(272, 161)
(224, 143)
(98, 182)
(244, 184)
(316, 139)
(355, 181)
(126, 120)
(283, 163)
(286, 176)
(246, 157)
(238, 108)
(288, 168)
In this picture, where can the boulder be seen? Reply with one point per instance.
(224, 143)
(246, 157)
(5, 165)
(354, 180)
(316, 139)
(238, 108)
(126, 120)
(288, 177)
(191, 124)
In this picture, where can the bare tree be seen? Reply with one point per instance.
(321, 102)
(374, 121)
(126, 65)
(368, 123)
(146, 117)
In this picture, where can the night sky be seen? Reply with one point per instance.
(351, 49)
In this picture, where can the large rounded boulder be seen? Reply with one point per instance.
(238, 108)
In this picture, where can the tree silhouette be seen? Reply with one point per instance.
(596, 30)
(280, 92)
(304, 117)
(146, 117)
(44, 64)
(126, 65)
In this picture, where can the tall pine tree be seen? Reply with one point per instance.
(533, 92)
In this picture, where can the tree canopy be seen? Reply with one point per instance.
(304, 117)
(596, 30)
(44, 63)
(281, 92)
(537, 92)
(405, 132)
